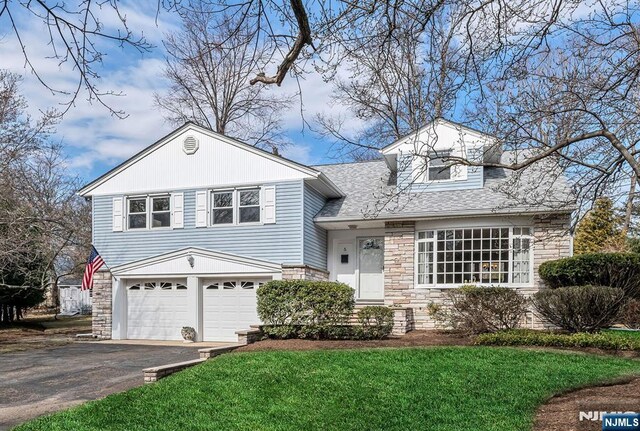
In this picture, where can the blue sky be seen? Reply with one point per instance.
(94, 140)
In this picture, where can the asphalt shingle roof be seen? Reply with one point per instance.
(371, 192)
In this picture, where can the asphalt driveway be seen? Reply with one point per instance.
(37, 382)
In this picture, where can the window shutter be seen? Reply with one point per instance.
(178, 210)
(269, 204)
(459, 172)
(118, 218)
(201, 208)
(418, 168)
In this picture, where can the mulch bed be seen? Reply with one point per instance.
(411, 339)
(561, 413)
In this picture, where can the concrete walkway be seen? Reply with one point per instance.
(42, 381)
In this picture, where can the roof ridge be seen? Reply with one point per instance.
(347, 163)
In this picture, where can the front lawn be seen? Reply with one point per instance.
(441, 388)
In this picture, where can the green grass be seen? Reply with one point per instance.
(607, 340)
(634, 335)
(446, 388)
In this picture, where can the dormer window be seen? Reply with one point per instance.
(437, 168)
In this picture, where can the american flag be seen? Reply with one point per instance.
(94, 263)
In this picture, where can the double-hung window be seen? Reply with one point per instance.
(137, 213)
(148, 211)
(249, 206)
(437, 168)
(222, 211)
(238, 206)
(160, 211)
(469, 256)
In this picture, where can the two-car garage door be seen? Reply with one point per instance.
(157, 310)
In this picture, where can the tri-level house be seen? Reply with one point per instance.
(193, 225)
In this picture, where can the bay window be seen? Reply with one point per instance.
(469, 256)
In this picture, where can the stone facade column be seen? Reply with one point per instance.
(304, 272)
(552, 240)
(101, 305)
(399, 247)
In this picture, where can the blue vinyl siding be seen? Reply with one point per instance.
(315, 237)
(474, 177)
(280, 242)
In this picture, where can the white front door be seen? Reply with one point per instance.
(228, 306)
(371, 268)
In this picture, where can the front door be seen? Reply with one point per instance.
(371, 268)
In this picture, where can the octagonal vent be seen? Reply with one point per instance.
(190, 145)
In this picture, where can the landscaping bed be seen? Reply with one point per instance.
(438, 388)
(411, 339)
(606, 340)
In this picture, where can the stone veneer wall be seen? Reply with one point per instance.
(101, 305)
(552, 241)
(304, 272)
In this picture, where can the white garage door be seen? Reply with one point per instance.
(229, 306)
(156, 310)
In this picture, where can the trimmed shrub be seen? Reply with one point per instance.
(303, 308)
(630, 314)
(528, 337)
(481, 309)
(375, 322)
(580, 308)
(621, 270)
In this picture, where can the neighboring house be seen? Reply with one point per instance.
(72, 299)
(193, 225)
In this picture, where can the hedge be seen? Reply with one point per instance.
(621, 270)
(474, 309)
(304, 308)
(580, 308)
(528, 337)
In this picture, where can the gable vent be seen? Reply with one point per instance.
(190, 145)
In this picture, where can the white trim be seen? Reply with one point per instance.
(235, 206)
(509, 283)
(313, 173)
(267, 266)
(394, 145)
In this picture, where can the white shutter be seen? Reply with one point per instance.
(178, 210)
(201, 208)
(458, 171)
(269, 204)
(418, 168)
(118, 219)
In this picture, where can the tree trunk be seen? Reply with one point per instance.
(629, 209)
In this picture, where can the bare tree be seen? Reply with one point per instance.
(45, 228)
(209, 73)
(76, 35)
(395, 92)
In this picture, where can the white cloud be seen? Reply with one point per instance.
(300, 153)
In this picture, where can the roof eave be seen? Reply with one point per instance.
(444, 214)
